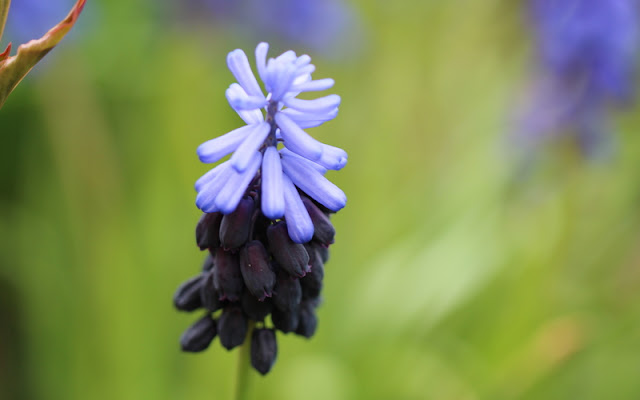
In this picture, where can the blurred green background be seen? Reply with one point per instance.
(455, 275)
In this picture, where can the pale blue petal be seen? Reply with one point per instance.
(310, 120)
(213, 150)
(315, 185)
(321, 104)
(302, 60)
(299, 223)
(261, 59)
(230, 194)
(333, 157)
(207, 195)
(297, 140)
(272, 189)
(313, 86)
(251, 116)
(239, 66)
(286, 153)
(239, 100)
(243, 154)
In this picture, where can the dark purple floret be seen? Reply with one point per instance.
(227, 276)
(187, 297)
(292, 257)
(255, 309)
(287, 293)
(323, 229)
(232, 327)
(235, 227)
(308, 321)
(208, 230)
(208, 294)
(199, 335)
(286, 321)
(264, 349)
(256, 270)
(207, 264)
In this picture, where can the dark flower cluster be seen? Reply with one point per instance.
(254, 270)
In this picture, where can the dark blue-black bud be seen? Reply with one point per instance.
(207, 264)
(256, 270)
(323, 230)
(285, 321)
(312, 282)
(232, 327)
(292, 257)
(264, 349)
(227, 276)
(199, 335)
(287, 293)
(308, 321)
(187, 297)
(253, 308)
(207, 230)
(235, 227)
(208, 293)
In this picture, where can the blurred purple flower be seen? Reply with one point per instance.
(331, 27)
(587, 51)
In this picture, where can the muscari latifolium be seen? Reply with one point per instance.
(14, 68)
(266, 211)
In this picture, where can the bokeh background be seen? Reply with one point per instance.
(465, 267)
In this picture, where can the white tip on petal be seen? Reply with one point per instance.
(297, 140)
(272, 189)
(213, 150)
(243, 154)
(299, 224)
(239, 66)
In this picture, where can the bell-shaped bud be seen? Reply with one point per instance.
(312, 282)
(285, 321)
(199, 335)
(208, 294)
(287, 293)
(292, 257)
(208, 230)
(187, 297)
(232, 327)
(308, 321)
(264, 349)
(227, 276)
(323, 230)
(324, 253)
(256, 270)
(254, 309)
(235, 227)
(207, 264)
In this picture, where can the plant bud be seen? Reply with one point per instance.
(227, 276)
(232, 327)
(291, 256)
(207, 264)
(187, 297)
(235, 227)
(308, 322)
(256, 271)
(323, 229)
(207, 230)
(287, 293)
(254, 309)
(199, 335)
(285, 321)
(264, 349)
(208, 293)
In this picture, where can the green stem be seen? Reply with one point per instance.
(244, 373)
(4, 10)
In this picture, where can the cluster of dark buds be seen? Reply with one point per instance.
(266, 212)
(254, 270)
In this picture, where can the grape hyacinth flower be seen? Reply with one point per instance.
(587, 50)
(266, 211)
